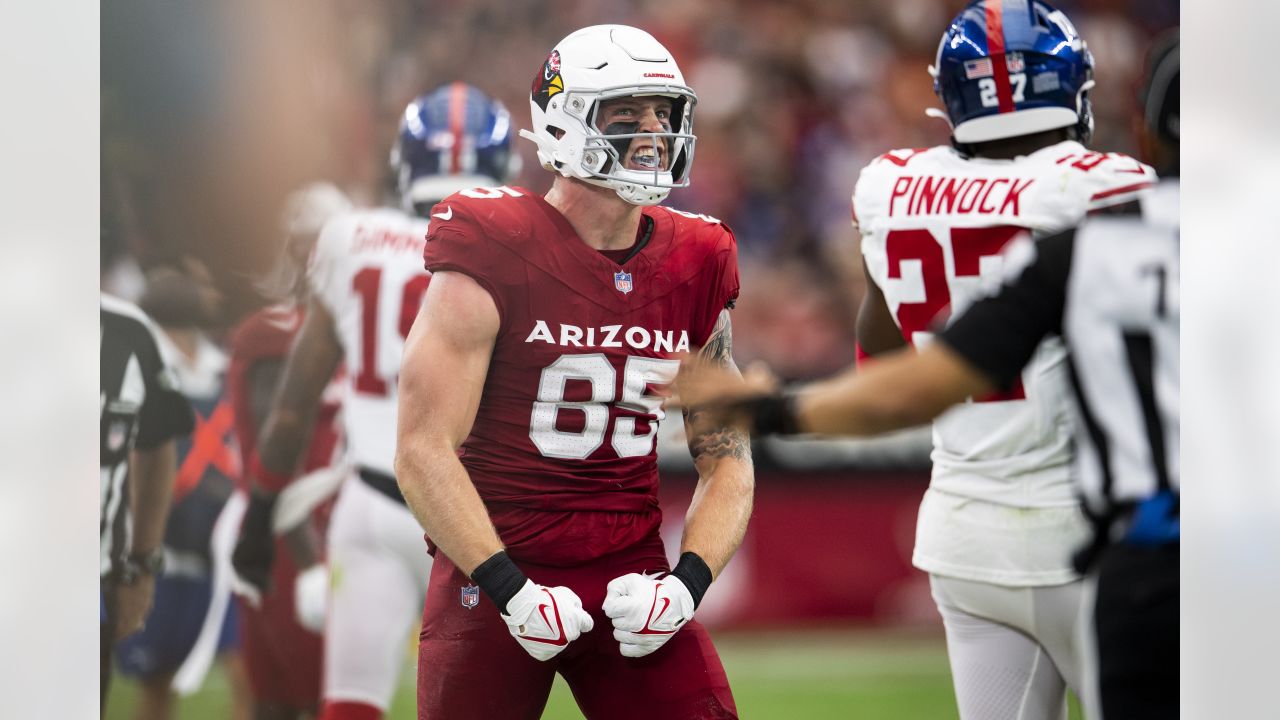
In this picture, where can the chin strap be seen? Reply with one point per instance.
(545, 153)
(940, 114)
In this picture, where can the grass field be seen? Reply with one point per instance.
(828, 673)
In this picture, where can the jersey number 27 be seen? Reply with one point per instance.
(968, 247)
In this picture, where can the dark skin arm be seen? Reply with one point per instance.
(717, 518)
(312, 361)
(264, 377)
(877, 331)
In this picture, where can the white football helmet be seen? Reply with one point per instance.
(600, 63)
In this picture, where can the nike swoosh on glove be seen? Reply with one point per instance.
(646, 611)
(544, 620)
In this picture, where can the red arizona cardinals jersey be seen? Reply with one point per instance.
(568, 417)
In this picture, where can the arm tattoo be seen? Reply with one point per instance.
(716, 442)
(719, 346)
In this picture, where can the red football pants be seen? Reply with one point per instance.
(282, 657)
(470, 666)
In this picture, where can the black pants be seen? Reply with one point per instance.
(1137, 626)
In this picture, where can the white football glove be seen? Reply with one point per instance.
(311, 597)
(544, 620)
(646, 611)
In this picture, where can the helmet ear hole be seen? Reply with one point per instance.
(677, 167)
(677, 115)
(555, 132)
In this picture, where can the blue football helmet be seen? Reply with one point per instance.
(452, 138)
(1007, 68)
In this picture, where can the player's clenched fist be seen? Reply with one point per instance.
(544, 620)
(646, 611)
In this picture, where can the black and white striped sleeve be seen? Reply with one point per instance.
(999, 334)
(165, 413)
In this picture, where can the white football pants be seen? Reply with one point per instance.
(378, 566)
(1013, 650)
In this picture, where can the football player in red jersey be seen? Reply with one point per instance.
(281, 650)
(529, 409)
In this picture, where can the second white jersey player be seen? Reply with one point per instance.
(367, 280)
(367, 271)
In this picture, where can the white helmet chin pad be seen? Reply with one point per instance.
(601, 63)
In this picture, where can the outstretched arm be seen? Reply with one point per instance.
(312, 361)
(264, 377)
(903, 390)
(983, 350)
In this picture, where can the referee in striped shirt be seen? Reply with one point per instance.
(1110, 288)
(142, 414)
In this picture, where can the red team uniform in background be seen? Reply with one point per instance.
(562, 450)
(283, 657)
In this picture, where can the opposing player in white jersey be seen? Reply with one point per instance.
(1000, 521)
(367, 283)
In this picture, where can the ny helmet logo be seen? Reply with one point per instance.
(622, 281)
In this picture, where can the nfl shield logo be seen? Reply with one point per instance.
(470, 596)
(1015, 63)
(622, 281)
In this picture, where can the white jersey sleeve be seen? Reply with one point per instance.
(367, 271)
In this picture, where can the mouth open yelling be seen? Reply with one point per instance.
(646, 155)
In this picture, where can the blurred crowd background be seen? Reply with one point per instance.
(794, 98)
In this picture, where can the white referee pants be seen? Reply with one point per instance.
(1013, 650)
(379, 569)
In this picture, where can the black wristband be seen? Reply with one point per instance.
(694, 573)
(500, 579)
(262, 505)
(775, 415)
